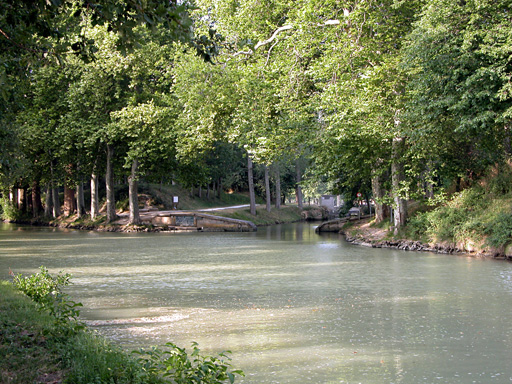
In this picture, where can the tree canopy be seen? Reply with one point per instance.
(395, 99)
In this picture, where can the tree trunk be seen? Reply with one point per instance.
(94, 196)
(109, 181)
(80, 201)
(278, 187)
(378, 194)
(48, 206)
(252, 196)
(267, 189)
(219, 187)
(13, 195)
(36, 199)
(133, 195)
(208, 192)
(22, 199)
(429, 184)
(55, 195)
(56, 202)
(298, 189)
(400, 204)
(69, 201)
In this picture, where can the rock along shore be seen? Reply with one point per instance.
(413, 245)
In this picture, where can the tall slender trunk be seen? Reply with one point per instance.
(80, 201)
(13, 197)
(278, 187)
(378, 194)
(252, 196)
(22, 199)
(69, 200)
(219, 188)
(400, 203)
(55, 195)
(36, 199)
(109, 181)
(48, 206)
(56, 202)
(94, 196)
(298, 189)
(429, 184)
(134, 218)
(208, 192)
(267, 189)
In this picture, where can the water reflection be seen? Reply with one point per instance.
(292, 306)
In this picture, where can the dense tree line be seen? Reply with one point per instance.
(395, 99)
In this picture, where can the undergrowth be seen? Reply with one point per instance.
(44, 341)
(481, 214)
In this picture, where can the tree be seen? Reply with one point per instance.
(457, 59)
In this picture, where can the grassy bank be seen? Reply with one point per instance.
(475, 220)
(34, 349)
(43, 341)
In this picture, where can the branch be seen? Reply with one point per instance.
(274, 35)
(250, 52)
(20, 45)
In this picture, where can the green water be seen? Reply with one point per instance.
(292, 306)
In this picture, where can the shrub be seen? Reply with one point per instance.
(444, 221)
(8, 211)
(46, 291)
(91, 359)
(183, 368)
(417, 226)
(499, 230)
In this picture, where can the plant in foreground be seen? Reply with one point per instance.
(46, 291)
(181, 368)
(171, 363)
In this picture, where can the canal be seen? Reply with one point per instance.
(292, 306)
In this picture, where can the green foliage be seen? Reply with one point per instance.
(26, 344)
(94, 360)
(8, 211)
(88, 358)
(417, 226)
(180, 367)
(499, 230)
(38, 349)
(480, 214)
(46, 291)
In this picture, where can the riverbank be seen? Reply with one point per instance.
(287, 214)
(41, 343)
(366, 233)
(35, 349)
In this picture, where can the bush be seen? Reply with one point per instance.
(417, 226)
(91, 359)
(46, 291)
(444, 221)
(8, 211)
(186, 369)
(499, 230)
